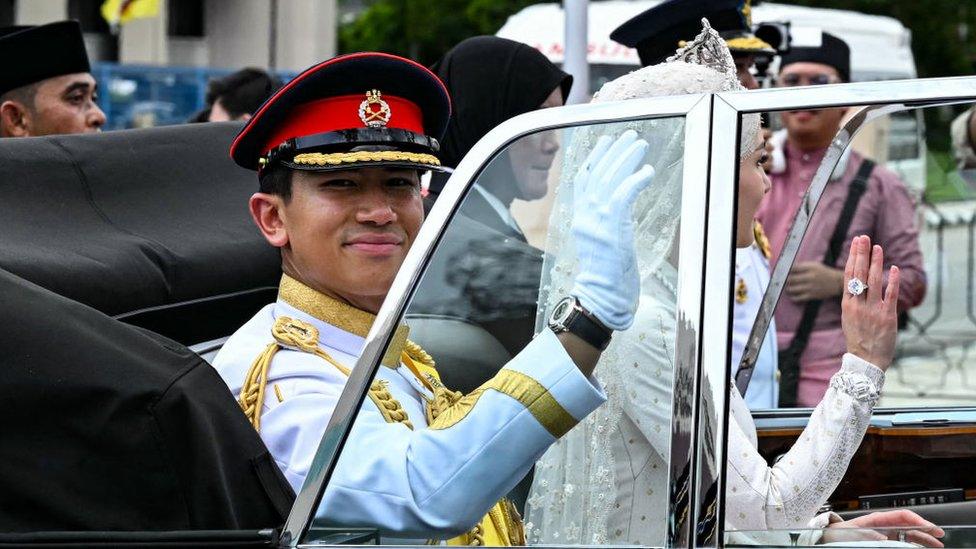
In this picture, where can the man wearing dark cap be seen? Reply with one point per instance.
(339, 151)
(656, 33)
(876, 203)
(46, 86)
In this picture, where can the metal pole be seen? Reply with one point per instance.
(273, 35)
(576, 40)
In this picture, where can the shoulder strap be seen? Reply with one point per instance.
(789, 358)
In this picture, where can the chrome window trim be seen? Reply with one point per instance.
(688, 314)
(797, 230)
(712, 390)
(919, 91)
(405, 282)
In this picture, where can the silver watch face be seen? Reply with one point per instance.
(561, 312)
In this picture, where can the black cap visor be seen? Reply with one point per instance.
(358, 148)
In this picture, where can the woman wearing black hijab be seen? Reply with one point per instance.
(486, 275)
(490, 80)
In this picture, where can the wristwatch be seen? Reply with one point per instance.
(569, 316)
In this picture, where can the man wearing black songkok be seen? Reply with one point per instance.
(46, 86)
(861, 198)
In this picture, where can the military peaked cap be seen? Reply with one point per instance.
(657, 32)
(31, 54)
(356, 110)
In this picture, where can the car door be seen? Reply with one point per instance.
(919, 450)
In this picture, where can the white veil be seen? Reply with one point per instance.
(575, 488)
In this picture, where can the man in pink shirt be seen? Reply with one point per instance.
(880, 206)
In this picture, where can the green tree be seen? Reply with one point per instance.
(943, 44)
(943, 31)
(424, 29)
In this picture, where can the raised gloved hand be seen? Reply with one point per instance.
(604, 192)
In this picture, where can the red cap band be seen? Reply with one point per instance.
(342, 113)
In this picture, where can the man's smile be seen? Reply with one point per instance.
(378, 244)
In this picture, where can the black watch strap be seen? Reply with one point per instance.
(589, 329)
(569, 316)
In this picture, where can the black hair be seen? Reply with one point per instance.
(202, 115)
(242, 92)
(276, 180)
(24, 95)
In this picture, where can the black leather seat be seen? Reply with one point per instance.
(111, 427)
(151, 225)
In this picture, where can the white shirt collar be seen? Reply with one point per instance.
(499, 208)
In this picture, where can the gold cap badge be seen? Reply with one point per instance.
(373, 111)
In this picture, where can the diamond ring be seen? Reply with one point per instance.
(855, 287)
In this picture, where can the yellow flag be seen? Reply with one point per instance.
(117, 12)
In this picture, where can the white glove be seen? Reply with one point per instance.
(604, 191)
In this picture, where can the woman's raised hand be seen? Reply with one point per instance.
(870, 321)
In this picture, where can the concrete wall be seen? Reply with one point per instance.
(237, 34)
(37, 12)
(144, 41)
(307, 32)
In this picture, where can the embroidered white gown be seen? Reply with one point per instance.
(758, 497)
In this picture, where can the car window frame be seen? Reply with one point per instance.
(876, 99)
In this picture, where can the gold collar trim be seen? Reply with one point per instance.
(339, 314)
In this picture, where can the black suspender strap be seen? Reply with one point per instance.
(789, 358)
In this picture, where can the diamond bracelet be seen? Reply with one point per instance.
(856, 385)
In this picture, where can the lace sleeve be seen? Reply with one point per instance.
(788, 494)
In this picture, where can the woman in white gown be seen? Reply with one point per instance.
(607, 480)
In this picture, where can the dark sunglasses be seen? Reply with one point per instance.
(790, 80)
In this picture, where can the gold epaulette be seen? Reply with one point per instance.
(761, 240)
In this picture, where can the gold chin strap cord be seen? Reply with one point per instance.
(297, 334)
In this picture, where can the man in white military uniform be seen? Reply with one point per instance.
(751, 281)
(339, 151)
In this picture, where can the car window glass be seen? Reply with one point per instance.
(918, 205)
(505, 259)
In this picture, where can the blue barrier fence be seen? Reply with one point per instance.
(137, 96)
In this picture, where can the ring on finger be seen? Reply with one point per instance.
(856, 287)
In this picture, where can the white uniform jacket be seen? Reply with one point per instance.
(752, 276)
(424, 482)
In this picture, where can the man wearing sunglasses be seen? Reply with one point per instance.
(861, 198)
